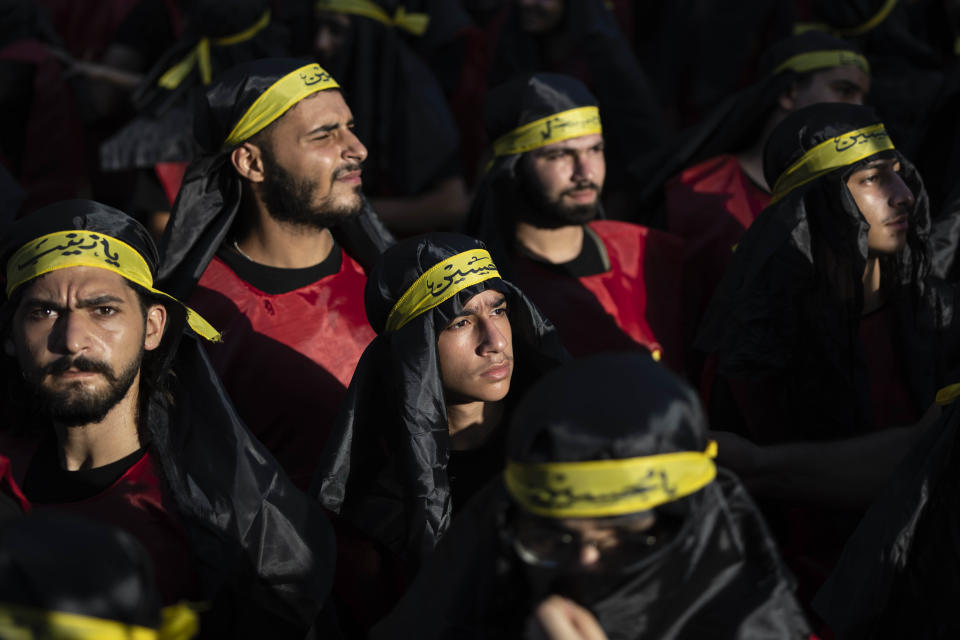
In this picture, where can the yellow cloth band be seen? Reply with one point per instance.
(415, 23)
(18, 622)
(602, 488)
(556, 128)
(80, 248)
(948, 394)
(813, 60)
(841, 151)
(280, 96)
(441, 282)
(199, 56)
(859, 30)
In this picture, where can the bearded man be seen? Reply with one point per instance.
(273, 224)
(606, 285)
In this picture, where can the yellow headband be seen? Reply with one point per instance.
(556, 128)
(415, 23)
(813, 60)
(79, 248)
(199, 56)
(280, 96)
(602, 488)
(859, 30)
(441, 282)
(179, 622)
(841, 151)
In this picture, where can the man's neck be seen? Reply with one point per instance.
(99, 443)
(266, 241)
(555, 246)
(873, 297)
(471, 423)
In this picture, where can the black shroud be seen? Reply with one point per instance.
(384, 468)
(719, 576)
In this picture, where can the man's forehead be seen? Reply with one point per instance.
(488, 298)
(327, 105)
(79, 280)
(848, 72)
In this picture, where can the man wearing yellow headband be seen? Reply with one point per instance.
(610, 498)
(111, 411)
(269, 239)
(422, 426)
(709, 179)
(607, 285)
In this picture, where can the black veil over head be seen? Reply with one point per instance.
(209, 198)
(796, 276)
(384, 466)
(256, 540)
(512, 105)
(629, 411)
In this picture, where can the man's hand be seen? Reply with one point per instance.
(562, 619)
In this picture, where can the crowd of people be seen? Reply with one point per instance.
(542, 319)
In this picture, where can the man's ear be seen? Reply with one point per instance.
(156, 323)
(247, 159)
(788, 99)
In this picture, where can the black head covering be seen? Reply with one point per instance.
(384, 467)
(716, 573)
(492, 216)
(601, 53)
(735, 123)
(63, 564)
(252, 534)
(236, 32)
(209, 197)
(791, 299)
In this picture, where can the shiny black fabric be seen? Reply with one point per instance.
(493, 212)
(732, 126)
(718, 576)
(384, 468)
(257, 541)
(629, 109)
(789, 305)
(399, 110)
(209, 197)
(898, 576)
(163, 128)
(59, 562)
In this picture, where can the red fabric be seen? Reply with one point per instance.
(709, 206)
(137, 503)
(890, 397)
(634, 304)
(286, 360)
(53, 166)
(9, 486)
(171, 177)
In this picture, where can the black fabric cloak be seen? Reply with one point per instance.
(384, 468)
(898, 573)
(788, 308)
(732, 126)
(163, 129)
(492, 216)
(399, 109)
(209, 198)
(260, 546)
(601, 57)
(715, 573)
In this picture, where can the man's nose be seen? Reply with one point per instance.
(71, 333)
(493, 340)
(353, 150)
(902, 197)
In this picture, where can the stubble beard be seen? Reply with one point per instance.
(290, 201)
(544, 212)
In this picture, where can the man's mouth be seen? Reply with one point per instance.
(349, 175)
(498, 371)
(899, 223)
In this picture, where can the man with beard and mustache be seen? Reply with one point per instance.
(272, 226)
(606, 285)
(111, 411)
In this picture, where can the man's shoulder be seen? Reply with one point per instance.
(712, 174)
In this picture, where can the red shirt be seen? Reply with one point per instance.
(286, 359)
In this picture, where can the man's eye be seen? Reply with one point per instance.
(458, 324)
(42, 313)
(501, 311)
(105, 311)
